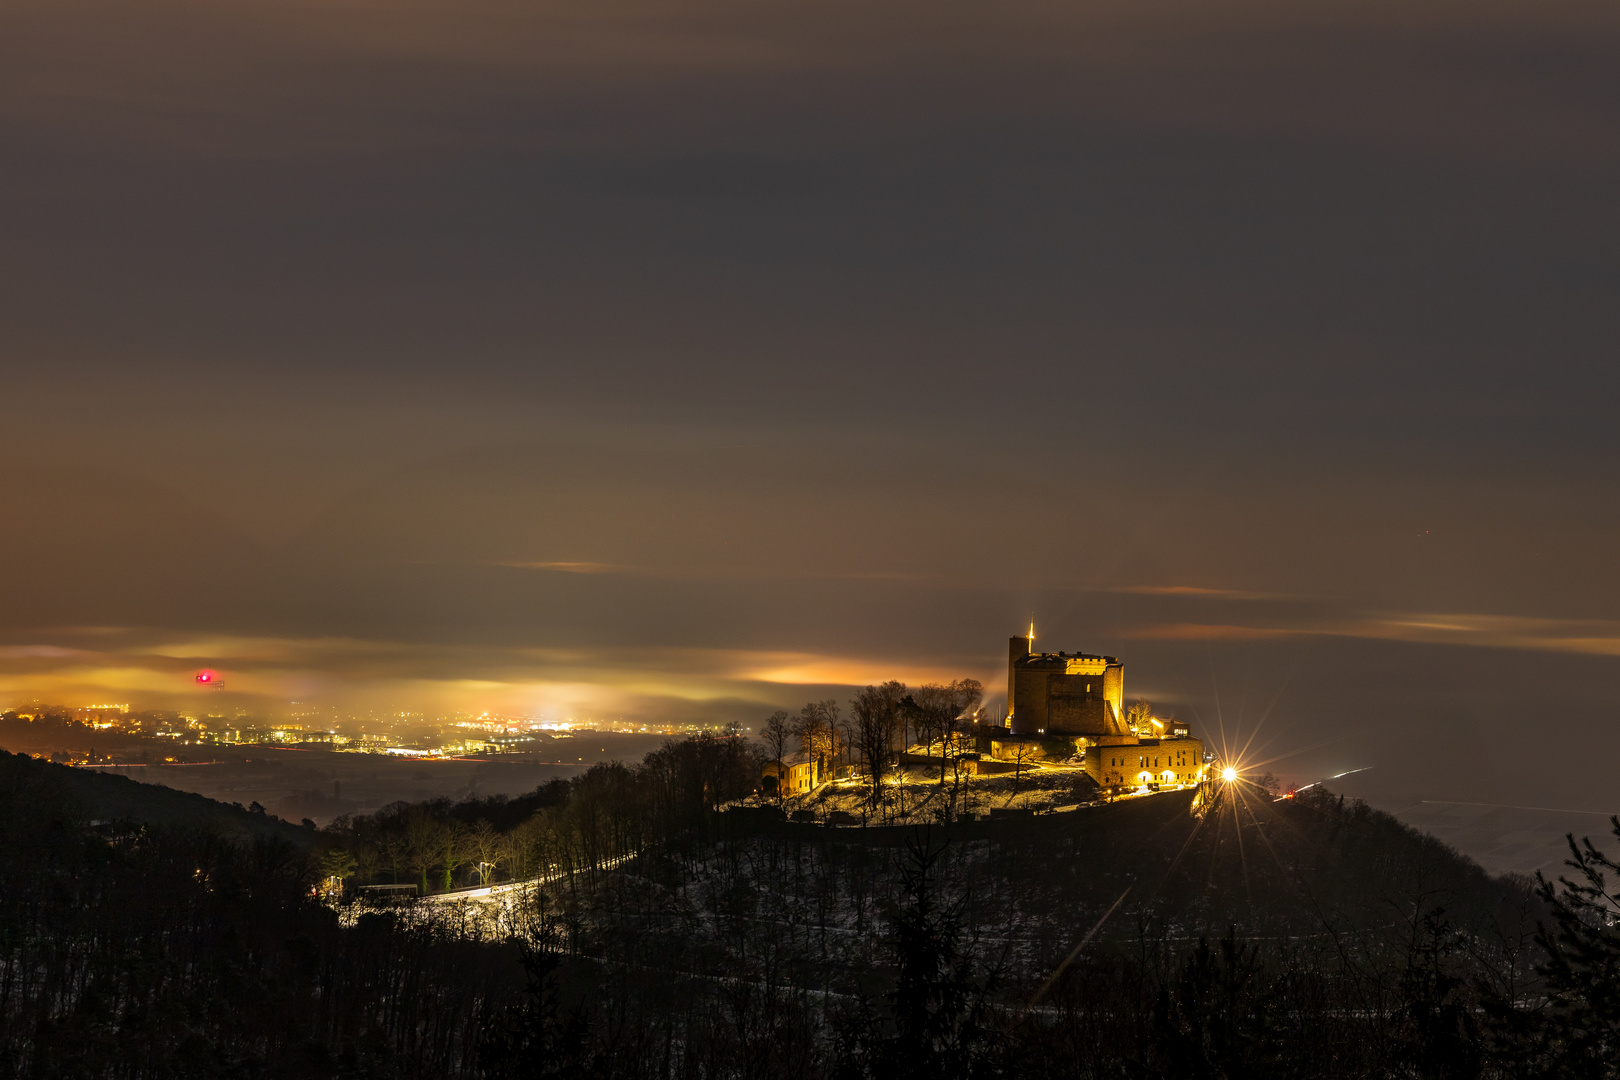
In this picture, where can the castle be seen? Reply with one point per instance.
(1071, 706)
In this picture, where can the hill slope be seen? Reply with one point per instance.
(97, 796)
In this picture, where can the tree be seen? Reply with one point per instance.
(942, 708)
(939, 1006)
(1023, 753)
(1574, 1031)
(455, 852)
(775, 733)
(876, 715)
(488, 848)
(532, 1038)
(336, 865)
(1218, 1015)
(817, 732)
(969, 694)
(966, 694)
(521, 847)
(1438, 1035)
(926, 709)
(425, 843)
(849, 730)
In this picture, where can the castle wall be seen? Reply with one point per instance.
(1076, 704)
(1113, 690)
(1029, 712)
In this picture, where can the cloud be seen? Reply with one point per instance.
(1206, 632)
(267, 78)
(1193, 591)
(1587, 637)
(772, 572)
(1590, 637)
(54, 652)
(156, 669)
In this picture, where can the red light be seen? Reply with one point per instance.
(206, 677)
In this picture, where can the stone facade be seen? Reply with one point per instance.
(1063, 693)
(1133, 762)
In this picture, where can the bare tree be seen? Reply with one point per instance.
(965, 696)
(849, 730)
(926, 708)
(959, 769)
(969, 695)
(817, 732)
(777, 729)
(876, 714)
(517, 849)
(392, 850)
(455, 851)
(424, 843)
(1023, 754)
(488, 848)
(935, 710)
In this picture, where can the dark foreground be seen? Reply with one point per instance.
(1307, 938)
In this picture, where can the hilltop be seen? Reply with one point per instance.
(1297, 874)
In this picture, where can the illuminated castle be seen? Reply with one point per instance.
(1063, 693)
(1071, 706)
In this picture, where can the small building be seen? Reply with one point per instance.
(1133, 762)
(799, 774)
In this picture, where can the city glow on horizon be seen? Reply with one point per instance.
(152, 669)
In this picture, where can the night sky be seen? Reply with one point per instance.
(687, 360)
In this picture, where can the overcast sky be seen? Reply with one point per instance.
(690, 359)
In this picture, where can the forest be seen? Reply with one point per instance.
(667, 932)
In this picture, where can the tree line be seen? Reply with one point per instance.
(608, 813)
(882, 721)
(1424, 996)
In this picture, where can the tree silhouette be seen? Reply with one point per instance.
(877, 720)
(1573, 1030)
(777, 729)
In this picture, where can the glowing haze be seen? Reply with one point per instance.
(689, 360)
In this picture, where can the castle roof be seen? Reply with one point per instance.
(1040, 659)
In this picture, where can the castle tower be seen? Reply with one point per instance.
(1063, 693)
(1018, 649)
